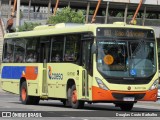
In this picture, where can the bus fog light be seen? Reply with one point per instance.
(154, 85)
(101, 84)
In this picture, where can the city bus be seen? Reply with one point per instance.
(82, 63)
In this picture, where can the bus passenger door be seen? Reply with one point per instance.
(87, 68)
(44, 58)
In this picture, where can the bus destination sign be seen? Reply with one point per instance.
(125, 32)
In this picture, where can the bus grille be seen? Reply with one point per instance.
(120, 96)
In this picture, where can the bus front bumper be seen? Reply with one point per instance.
(99, 94)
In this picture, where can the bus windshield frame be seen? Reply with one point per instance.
(126, 56)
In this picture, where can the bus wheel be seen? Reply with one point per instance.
(25, 98)
(75, 103)
(67, 102)
(35, 100)
(126, 106)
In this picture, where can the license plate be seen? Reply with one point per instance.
(128, 99)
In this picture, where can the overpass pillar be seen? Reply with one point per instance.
(125, 13)
(18, 14)
(49, 8)
(9, 10)
(87, 12)
(106, 17)
(29, 10)
(144, 16)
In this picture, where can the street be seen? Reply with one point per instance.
(53, 109)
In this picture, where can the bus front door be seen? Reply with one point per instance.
(87, 68)
(44, 58)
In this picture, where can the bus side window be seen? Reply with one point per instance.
(30, 57)
(57, 49)
(31, 50)
(8, 58)
(8, 50)
(19, 50)
(72, 47)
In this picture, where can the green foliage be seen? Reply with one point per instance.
(28, 26)
(119, 14)
(67, 15)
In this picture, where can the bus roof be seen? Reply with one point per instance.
(64, 28)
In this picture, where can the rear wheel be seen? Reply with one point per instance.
(25, 98)
(67, 102)
(75, 103)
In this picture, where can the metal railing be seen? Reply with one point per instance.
(99, 19)
(147, 22)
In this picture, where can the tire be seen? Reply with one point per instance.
(67, 102)
(25, 98)
(126, 106)
(75, 103)
(35, 100)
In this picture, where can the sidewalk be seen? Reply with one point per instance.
(149, 102)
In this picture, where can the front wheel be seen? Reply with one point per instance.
(126, 106)
(25, 98)
(75, 103)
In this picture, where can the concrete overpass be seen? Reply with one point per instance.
(110, 11)
(122, 10)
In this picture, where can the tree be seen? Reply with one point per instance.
(27, 26)
(67, 15)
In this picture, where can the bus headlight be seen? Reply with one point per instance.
(101, 84)
(154, 85)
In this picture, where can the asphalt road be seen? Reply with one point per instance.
(53, 109)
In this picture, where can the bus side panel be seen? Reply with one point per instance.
(33, 75)
(57, 77)
(11, 86)
(11, 75)
(33, 89)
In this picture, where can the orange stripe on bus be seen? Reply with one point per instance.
(30, 73)
(151, 95)
(100, 94)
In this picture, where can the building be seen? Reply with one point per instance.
(110, 11)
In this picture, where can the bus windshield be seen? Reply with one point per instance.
(126, 58)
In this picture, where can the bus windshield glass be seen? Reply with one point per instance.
(126, 57)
